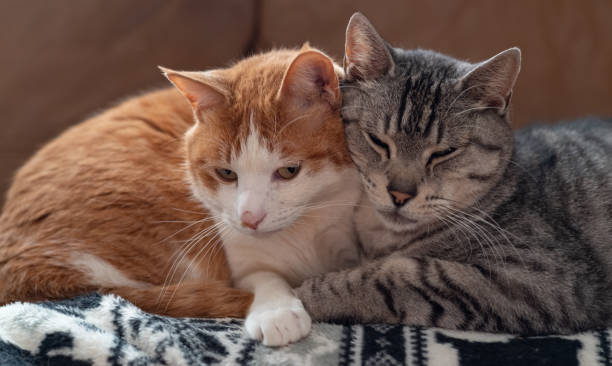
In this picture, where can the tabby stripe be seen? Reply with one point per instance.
(440, 133)
(387, 123)
(444, 293)
(526, 328)
(333, 290)
(416, 114)
(435, 102)
(480, 177)
(349, 288)
(425, 235)
(386, 293)
(524, 294)
(436, 309)
(432, 108)
(402, 107)
(463, 294)
(346, 121)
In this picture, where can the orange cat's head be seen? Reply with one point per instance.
(268, 142)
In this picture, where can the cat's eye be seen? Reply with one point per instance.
(226, 174)
(379, 145)
(288, 172)
(440, 154)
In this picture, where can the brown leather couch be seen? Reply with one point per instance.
(63, 60)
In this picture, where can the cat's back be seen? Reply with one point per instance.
(569, 149)
(102, 176)
(565, 179)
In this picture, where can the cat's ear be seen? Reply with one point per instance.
(366, 54)
(204, 90)
(491, 81)
(311, 79)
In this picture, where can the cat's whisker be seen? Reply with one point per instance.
(210, 218)
(186, 271)
(459, 96)
(454, 227)
(333, 204)
(219, 247)
(496, 249)
(473, 229)
(188, 247)
(188, 211)
(460, 223)
(475, 109)
(510, 161)
(183, 221)
(322, 216)
(492, 223)
(179, 256)
(292, 122)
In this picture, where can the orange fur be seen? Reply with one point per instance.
(115, 187)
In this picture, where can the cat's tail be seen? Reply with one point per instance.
(30, 275)
(204, 298)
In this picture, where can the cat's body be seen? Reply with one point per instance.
(105, 207)
(464, 226)
(141, 201)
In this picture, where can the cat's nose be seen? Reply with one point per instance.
(400, 198)
(252, 220)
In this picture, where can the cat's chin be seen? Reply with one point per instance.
(397, 222)
(256, 233)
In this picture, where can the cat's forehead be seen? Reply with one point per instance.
(409, 102)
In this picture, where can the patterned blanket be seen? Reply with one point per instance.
(106, 330)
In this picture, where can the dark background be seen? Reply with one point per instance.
(63, 60)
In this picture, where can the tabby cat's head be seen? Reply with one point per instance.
(268, 143)
(429, 134)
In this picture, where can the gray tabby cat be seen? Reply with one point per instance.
(464, 225)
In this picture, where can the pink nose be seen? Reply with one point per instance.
(252, 220)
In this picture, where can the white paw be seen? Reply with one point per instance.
(279, 325)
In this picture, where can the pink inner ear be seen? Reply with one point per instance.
(200, 94)
(366, 54)
(311, 77)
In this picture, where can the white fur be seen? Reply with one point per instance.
(102, 273)
(307, 231)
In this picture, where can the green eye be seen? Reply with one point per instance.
(288, 172)
(226, 174)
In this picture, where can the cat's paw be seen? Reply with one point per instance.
(280, 325)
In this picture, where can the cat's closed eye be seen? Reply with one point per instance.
(378, 145)
(440, 154)
(226, 175)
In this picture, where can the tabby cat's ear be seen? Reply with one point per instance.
(310, 79)
(203, 89)
(366, 54)
(491, 82)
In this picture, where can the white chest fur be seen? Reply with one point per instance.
(321, 241)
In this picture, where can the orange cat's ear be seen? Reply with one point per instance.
(203, 89)
(311, 78)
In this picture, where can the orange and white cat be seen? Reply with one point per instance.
(140, 200)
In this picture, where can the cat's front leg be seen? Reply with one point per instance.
(437, 293)
(276, 317)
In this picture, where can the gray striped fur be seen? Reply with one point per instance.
(509, 233)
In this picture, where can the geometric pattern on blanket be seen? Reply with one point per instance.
(107, 330)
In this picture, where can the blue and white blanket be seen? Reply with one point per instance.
(106, 330)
